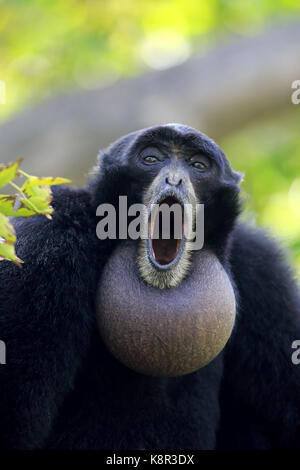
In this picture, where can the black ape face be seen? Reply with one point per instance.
(173, 165)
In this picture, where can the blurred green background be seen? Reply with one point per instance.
(49, 47)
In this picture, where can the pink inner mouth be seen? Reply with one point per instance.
(164, 251)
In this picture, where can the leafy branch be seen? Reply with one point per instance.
(33, 197)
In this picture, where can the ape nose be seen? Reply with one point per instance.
(174, 180)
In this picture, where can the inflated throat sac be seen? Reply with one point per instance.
(165, 332)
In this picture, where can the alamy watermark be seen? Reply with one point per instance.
(2, 352)
(296, 353)
(296, 94)
(176, 220)
(2, 92)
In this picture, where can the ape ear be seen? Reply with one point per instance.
(232, 177)
(229, 175)
(238, 177)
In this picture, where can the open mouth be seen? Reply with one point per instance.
(166, 230)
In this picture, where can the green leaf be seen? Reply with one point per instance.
(39, 198)
(47, 181)
(38, 205)
(9, 172)
(8, 207)
(7, 252)
(7, 231)
(43, 192)
(7, 241)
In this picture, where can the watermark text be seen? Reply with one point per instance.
(2, 352)
(296, 93)
(161, 221)
(296, 353)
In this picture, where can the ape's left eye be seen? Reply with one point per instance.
(150, 159)
(200, 165)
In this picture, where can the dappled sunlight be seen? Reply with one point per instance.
(268, 151)
(165, 48)
(279, 216)
(294, 199)
(61, 44)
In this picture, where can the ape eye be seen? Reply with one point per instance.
(150, 159)
(199, 165)
(202, 165)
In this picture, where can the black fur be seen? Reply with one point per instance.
(61, 388)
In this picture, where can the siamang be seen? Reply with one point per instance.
(79, 375)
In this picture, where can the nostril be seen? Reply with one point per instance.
(173, 181)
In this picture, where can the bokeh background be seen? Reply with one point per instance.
(80, 73)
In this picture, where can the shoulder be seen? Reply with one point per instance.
(266, 283)
(57, 253)
(72, 223)
(256, 250)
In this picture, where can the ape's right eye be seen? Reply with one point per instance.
(150, 159)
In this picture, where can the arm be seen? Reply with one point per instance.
(261, 390)
(46, 316)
